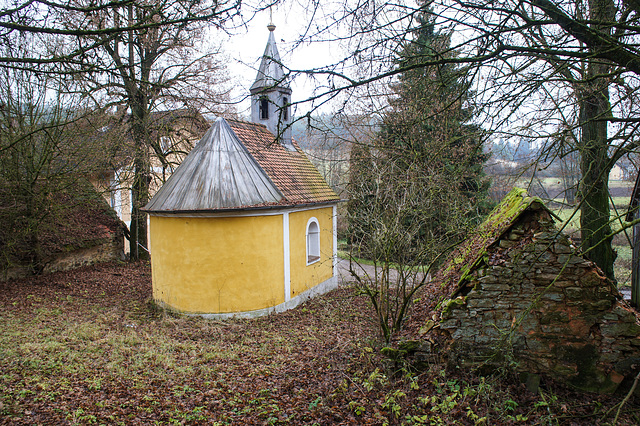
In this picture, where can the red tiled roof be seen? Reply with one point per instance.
(291, 171)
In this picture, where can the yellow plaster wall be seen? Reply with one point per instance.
(303, 276)
(217, 265)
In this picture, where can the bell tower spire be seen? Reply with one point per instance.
(271, 93)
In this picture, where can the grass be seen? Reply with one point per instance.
(622, 265)
(118, 353)
(621, 203)
(88, 347)
(567, 215)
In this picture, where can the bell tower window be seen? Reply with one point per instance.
(264, 108)
(285, 105)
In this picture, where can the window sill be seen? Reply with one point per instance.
(312, 259)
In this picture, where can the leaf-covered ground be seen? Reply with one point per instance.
(88, 347)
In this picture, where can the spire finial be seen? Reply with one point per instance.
(271, 27)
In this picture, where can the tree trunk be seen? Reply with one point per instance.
(594, 213)
(139, 198)
(594, 164)
(30, 225)
(140, 190)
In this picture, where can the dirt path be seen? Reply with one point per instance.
(363, 271)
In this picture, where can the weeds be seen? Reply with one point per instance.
(312, 365)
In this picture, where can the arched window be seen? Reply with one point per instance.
(313, 241)
(264, 108)
(285, 105)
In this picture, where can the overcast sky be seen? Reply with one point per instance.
(246, 47)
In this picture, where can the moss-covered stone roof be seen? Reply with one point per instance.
(501, 218)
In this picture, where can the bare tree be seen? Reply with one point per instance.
(537, 66)
(389, 203)
(46, 21)
(419, 186)
(145, 67)
(47, 154)
(138, 56)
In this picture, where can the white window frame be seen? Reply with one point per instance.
(312, 238)
(165, 143)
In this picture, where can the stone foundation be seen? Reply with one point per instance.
(108, 250)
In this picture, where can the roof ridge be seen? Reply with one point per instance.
(236, 120)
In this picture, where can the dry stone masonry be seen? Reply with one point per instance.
(527, 299)
(108, 249)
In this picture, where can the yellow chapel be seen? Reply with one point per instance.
(246, 225)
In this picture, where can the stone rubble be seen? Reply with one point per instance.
(532, 302)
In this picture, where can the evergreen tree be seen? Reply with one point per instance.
(431, 111)
(419, 187)
(426, 149)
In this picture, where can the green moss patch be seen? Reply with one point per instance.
(463, 260)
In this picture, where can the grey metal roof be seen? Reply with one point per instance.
(219, 173)
(270, 74)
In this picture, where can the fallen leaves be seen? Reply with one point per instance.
(86, 346)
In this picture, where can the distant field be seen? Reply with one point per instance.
(621, 242)
(551, 190)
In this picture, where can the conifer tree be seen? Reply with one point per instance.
(427, 148)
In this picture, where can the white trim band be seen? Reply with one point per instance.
(254, 212)
(287, 256)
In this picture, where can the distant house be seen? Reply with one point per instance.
(245, 225)
(173, 134)
(617, 173)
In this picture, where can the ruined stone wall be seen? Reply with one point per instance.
(109, 250)
(534, 304)
(106, 250)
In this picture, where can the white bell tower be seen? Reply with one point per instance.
(271, 94)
